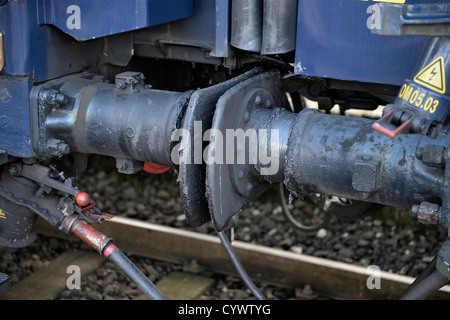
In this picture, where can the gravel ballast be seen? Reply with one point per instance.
(391, 239)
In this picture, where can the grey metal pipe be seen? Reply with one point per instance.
(136, 275)
(279, 26)
(426, 287)
(265, 26)
(431, 267)
(246, 24)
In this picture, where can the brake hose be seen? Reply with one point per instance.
(293, 221)
(73, 224)
(239, 268)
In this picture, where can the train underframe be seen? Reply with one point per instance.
(232, 130)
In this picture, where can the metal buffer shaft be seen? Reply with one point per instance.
(312, 152)
(126, 120)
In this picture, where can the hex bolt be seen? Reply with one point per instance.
(426, 212)
(15, 169)
(57, 147)
(63, 148)
(54, 97)
(120, 85)
(61, 98)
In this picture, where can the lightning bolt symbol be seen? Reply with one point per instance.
(433, 73)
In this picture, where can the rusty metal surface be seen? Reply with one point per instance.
(86, 232)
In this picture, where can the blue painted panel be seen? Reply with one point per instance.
(208, 27)
(16, 24)
(89, 19)
(43, 52)
(15, 124)
(334, 41)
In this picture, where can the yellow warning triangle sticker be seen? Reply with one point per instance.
(2, 214)
(433, 76)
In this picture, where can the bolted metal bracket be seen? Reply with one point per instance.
(366, 174)
(129, 79)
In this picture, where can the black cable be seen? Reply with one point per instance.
(136, 275)
(426, 287)
(237, 264)
(295, 223)
(425, 273)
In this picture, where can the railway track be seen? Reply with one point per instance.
(328, 278)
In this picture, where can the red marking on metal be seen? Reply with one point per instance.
(83, 199)
(109, 250)
(388, 132)
(155, 168)
(90, 235)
